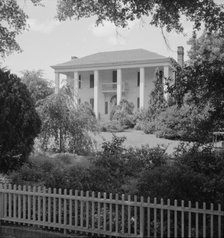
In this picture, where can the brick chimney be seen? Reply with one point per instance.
(74, 57)
(180, 55)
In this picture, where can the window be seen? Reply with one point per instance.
(91, 79)
(106, 107)
(138, 102)
(138, 79)
(79, 101)
(92, 102)
(114, 79)
(80, 81)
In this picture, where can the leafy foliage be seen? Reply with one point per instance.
(12, 23)
(164, 13)
(202, 81)
(65, 126)
(188, 123)
(38, 87)
(197, 175)
(123, 113)
(19, 122)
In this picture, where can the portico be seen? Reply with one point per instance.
(98, 83)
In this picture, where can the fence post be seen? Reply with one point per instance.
(1, 202)
(142, 218)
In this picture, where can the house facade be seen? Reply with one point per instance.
(104, 79)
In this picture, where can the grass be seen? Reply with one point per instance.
(137, 139)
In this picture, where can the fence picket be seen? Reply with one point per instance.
(204, 221)
(59, 207)
(76, 208)
(196, 220)
(70, 208)
(161, 217)
(5, 204)
(182, 219)
(54, 207)
(212, 221)
(38, 205)
(93, 210)
(155, 217)
(104, 212)
(175, 219)
(219, 221)
(24, 203)
(116, 212)
(149, 217)
(98, 212)
(29, 202)
(119, 216)
(49, 206)
(81, 209)
(10, 202)
(189, 220)
(87, 210)
(44, 206)
(168, 218)
(34, 204)
(111, 213)
(65, 208)
(14, 202)
(19, 203)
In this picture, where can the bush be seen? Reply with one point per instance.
(187, 123)
(66, 126)
(123, 114)
(111, 126)
(172, 183)
(19, 122)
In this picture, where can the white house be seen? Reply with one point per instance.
(105, 77)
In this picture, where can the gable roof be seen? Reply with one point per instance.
(113, 58)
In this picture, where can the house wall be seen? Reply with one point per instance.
(129, 77)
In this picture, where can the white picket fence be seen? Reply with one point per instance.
(108, 214)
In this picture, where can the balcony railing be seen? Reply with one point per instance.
(112, 87)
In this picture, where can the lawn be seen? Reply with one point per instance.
(137, 139)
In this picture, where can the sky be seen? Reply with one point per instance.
(49, 42)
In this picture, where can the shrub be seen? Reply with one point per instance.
(19, 122)
(186, 123)
(66, 126)
(172, 183)
(123, 113)
(111, 126)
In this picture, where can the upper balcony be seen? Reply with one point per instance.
(112, 87)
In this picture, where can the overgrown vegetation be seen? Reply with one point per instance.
(19, 122)
(196, 102)
(196, 174)
(65, 126)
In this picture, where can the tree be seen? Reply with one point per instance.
(65, 126)
(201, 82)
(19, 122)
(164, 13)
(12, 23)
(38, 87)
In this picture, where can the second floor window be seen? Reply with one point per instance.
(80, 81)
(114, 79)
(91, 80)
(138, 79)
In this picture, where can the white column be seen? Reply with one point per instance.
(96, 93)
(76, 87)
(119, 86)
(142, 88)
(57, 82)
(165, 78)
